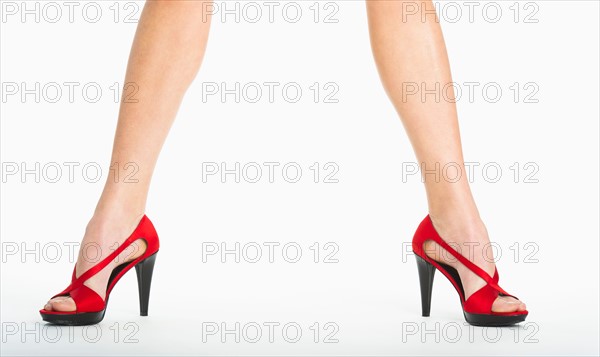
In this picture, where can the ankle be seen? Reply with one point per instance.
(126, 201)
(115, 222)
(118, 208)
(114, 219)
(459, 226)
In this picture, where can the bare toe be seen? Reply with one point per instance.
(50, 302)
(507, 304)
(61, 303)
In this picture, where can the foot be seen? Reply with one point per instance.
(102, 236)
(470, 239)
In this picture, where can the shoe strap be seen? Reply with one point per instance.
(77, 282)
(466, 262)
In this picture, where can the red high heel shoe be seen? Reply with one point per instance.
(477, 308)
(90, 306)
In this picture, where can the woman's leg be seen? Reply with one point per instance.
(410, 50)
(166, 53)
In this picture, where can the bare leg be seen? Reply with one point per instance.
(412, 50)
(166, 54)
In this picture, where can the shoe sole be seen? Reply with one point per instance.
(77, 319)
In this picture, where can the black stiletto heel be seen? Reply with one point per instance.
(144, 277)
(426, 274)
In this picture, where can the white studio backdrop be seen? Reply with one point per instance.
(344, 199)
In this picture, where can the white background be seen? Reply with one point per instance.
(371, 294)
